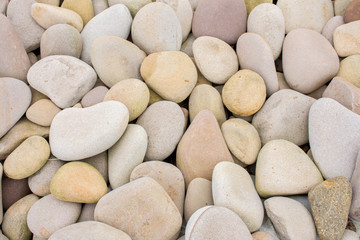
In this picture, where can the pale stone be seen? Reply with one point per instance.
(42, 112)
(3, 6)
(350, 235)
(355, 200)
(36, 96)
(1, 191)
(349, 69)
(99, 6)
(318, 92)
(32, 57)
(100, 162)
(94, 96)
(330, 26)
(186, 47)
(87, 212)
(340, 6)
(347, 39)
(82, 7)
(262, 236)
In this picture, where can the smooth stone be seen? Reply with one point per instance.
(14, 189)
(71, 123)
(36, 95)
(3, 6)
(100, 162)
(87, 212)
(255, 54)
(19, 13)
(282, 168)
(64, 79)
(345, 93)
(171, 74)
(17, 134)
(167, 175)
(252, 4)
(121, 209)
(14, 61)
(14, 101)
(330, 26)
(349, 69)
(290, 218)
(355, 200)
(227, 179)
(330, 204)
(78, 182)
(268, 227)
(352, 12)
(27, 158)
(242, 139)
(116, 59)
(99, 6)
(347, 39)
(42, 112)
(225, 20)
(14, 224)
(216, 59)
(164, 124)
(61, 39)
(49, 214)
(51, 2)
(82, 7)
(244, 93)
(306, 14)
(89, 230)
(133, 5)
(156, 28)
(32, 57)
(214, 222)
(322, 61)
(349, 235)
(186, 47)
(133, 93)
(282, 81)
(126, 154)
(284, 116)
(201, 148)
(303, 199)
(1, 203)
(268, 21)
(207, 97)
(154, 97)
(198, 195)
(318, 92)
(39, 182)
(262, 236)
(340, 6)
(48, 15)
(334, 138)
(2, 236)
(94, 96)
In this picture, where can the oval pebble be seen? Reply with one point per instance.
(347, 39)
(349, 69)
(330, 26)
(82, 7)
(94, 96)
(42, 112)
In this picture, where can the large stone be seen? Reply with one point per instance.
(330, 26)
(82, 7)
(42, 112)
(350, 69)
(347, 39)
(1, 195)
(262, 236)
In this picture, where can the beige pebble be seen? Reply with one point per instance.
(347, 39)
(82, 7)
(350, 69)
(42, 112)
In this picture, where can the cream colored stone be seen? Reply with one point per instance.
(350, 69)
(82, 7)
(186, 47)
(42, 112)
(99, 6)
(331, 25)
(154, 97)
(340, 6)
(51, 2)
(36, 95)
(347, 39)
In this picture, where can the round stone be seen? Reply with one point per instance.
(350, 69)
(347, 39)
(42, 112)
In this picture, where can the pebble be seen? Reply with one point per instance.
(171, 74)
(64, 79)
(267, 20)
(349, 69)
(1, 203)
(350, 235)
(216, 60)
(100, 162)
(330, 26)
(82, 7)
(87, 212)
(3, 6)
(89, 230)
(99, 6)
(352, 11)
(116, 59)
(18, 12)
(2, 236)
(51, 2)
(284, 116)
(126, 154)
(251, 4)
(36, 95)
(290, 218)
(134, 93)
(71, 123)
(355, 200)
(61, 39)
(186, 47)
(49, 214)
(282, 168)
(333, 137)
(321, 65)
(201, 148)
(121, 207)
(94, 96)
(133, 5)
(42, 112)
(198, 195)
(244, 93)
(227, 178)
(340, 6)
(214, 222)
(14, 101)
(225, 20)
(347, 39)
(330, 204)
(14, 189)
(164, 124)
(262, 236)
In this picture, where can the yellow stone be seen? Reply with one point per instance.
(251, 4)
(350, 69)
(82, 7)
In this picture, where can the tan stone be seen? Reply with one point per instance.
(347, 39)
(82, 7)
(36, 95)
(42, 112)
(350, 69)
(133, 5)
(251, 4)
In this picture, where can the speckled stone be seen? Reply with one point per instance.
(330, 204)
(352, 11)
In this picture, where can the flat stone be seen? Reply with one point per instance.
(290, 218)
(87, 212)
(330, 204)
(355, 200)
(14, 101)
(282, 168)
(19, 13)
(321, 65)
(41, 220)
(153, 20)
(116, 59)
(340, 6)
(334, 138)
(122, 207)
(94, 96)
(227, 179)
(213, 222)
(61, 39)
(134, 93)
(330, 26)
(284, 116)
(267, 20)
(201, 148)
(349, 69)
(71, 123)
(164, 124)
(14, 189)
(48, 15)
(255, 54)
(133, 5)
(100, 162)
(42, 112)
(126, 154)
(347, 39)
(262, 236)
(14, 62)
(225, 20)
(352, 11)
(170, 74)
(64, 79)
(82, 7)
